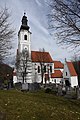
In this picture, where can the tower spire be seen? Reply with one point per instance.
(24, 23)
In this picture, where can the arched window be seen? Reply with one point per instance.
(38, 69)
(25, 37)
(66, 73)
(51, 69)
(44, 68)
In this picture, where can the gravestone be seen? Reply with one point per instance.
(34, 86)
(30, 86)
(60, 90)
(25, 86)
(78, 92)
(18, 85)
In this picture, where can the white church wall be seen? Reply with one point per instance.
(74, 81)
(14, 79)
(55, 80)
(35, 75)
(38, 75)
(66, 73)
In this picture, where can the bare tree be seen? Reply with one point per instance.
(6, 33)
(42, 58)
(64, 19)
(21, 64)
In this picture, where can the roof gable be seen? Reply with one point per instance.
(71, 69)
(38, 56)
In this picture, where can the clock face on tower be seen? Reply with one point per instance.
(25, 48)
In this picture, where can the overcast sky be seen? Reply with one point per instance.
(36, 12)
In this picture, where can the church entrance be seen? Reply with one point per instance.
(67, 83)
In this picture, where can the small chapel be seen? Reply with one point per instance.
(37, 66)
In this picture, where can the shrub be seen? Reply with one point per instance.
(48, 90)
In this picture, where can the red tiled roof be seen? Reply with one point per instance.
(58, 64)
(38, 56)
(56, 74)
(71, 69)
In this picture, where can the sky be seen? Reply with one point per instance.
(36, 12)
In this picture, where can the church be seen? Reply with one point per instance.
(35, 66)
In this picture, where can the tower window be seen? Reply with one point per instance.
(25, 37)
(66, 73)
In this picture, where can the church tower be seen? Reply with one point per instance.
(24, 70)
(24, 37)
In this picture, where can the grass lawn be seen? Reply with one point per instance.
(15, 105)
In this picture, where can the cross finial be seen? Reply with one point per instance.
(24, 13)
